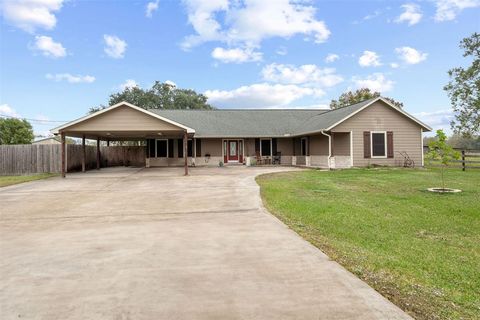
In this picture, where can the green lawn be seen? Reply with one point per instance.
(9, 180)
(420, 250)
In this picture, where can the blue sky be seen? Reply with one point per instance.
(58, 58)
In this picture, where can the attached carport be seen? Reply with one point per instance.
(122, 122)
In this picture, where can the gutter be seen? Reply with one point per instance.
(329, 147)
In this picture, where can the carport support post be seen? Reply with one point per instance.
(185, 150)
(84, 154)
(63, 154)
(98, 153)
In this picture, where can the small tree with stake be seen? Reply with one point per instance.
(440, 150)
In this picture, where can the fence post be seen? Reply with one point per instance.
(463, 160)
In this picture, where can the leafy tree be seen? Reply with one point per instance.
(464, 89)
(15, 131)
(159, 96)
(464, 142)
(348, 98)
(440, 150)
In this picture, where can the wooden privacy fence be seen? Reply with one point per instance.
(27, 159)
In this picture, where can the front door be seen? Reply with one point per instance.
(233, 150)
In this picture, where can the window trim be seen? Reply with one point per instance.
(156, 153)
(271, 147)
(386, 145)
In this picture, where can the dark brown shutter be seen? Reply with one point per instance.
(366, 144)
(389, 144)
(151, 147)
(170, 148)
(198, 147)
(180, 148)
(189, 148)
(274, 146)
(257, 145)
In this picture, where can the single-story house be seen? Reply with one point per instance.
(372, 132)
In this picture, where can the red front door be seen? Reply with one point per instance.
(232, 150)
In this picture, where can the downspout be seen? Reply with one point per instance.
(329, 146)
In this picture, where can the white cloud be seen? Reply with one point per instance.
(261, 95)
(449, 9)
(411, 14)
(236, 55)
(331, 57)
(411, 55)
(394, 65)
(114, 46)
(128, 84)
(6, 110)
(29, 15)
(373, 15)
(369, 59)
(70, 78)
(151, 7)
(171, 83)
(246, 22)
(49, 47)
(375, 82)
(305, 74)
(437, 119)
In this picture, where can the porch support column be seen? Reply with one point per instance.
(63, 155)
(84, 154)
(98, 153)
(185, 150)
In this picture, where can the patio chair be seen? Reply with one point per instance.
(260, 160)
(277, 158)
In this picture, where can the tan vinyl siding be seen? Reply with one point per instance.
(123, 119)
(380, 117)
(212, 147)
(285, 146)
(249, 147)
(318, 145)
(341, 143)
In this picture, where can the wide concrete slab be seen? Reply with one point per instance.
(124, 243)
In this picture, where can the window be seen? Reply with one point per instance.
(162, 148)
(266, 147)
(379, 144)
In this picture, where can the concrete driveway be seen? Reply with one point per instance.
(127, 243)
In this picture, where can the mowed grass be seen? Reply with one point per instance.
(9, 180)
(419, 249)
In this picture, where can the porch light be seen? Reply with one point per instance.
(160, 134)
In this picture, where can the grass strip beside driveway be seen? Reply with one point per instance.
(10, 180)
(420, 250)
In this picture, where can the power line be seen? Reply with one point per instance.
(30, 119)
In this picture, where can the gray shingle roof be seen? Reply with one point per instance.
(329, 118)
(263, 122)
(241, 123)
